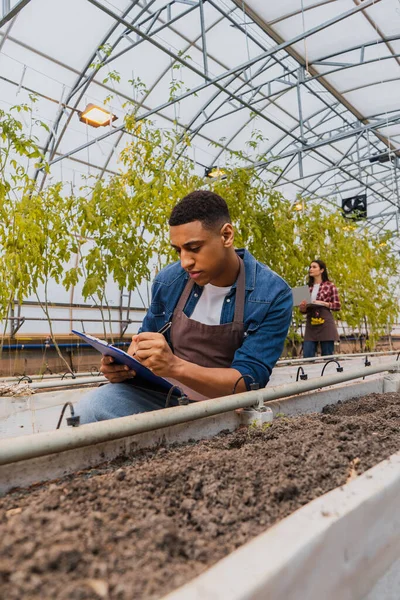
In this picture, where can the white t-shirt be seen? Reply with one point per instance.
(315, 291)
(209, 306)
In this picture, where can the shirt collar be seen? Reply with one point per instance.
(250, 266)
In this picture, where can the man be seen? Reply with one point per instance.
(229, 318)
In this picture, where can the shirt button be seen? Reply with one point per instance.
(196, 295)
(228, 299)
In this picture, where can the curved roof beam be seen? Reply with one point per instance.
(378, 30)
(327, 107)
(215, 81)
(391, 38)
(292, 86)
(299, 11)
(382, 186)
(278, 39)
(340, 136)
(305, 83)
(317, 175)
(163, 73)
(190, 44)
(367, 85)
(13, 12)
(141, 103)
(333, 164)
(133, 45)
(294, 72)
(87, 79)
(84, 82)
(376, 182)
(52, 139)
(209, 118)
(244, 65)
(354, 162)
(319, 76)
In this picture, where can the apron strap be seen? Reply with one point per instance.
(184, 296)
(240, 292)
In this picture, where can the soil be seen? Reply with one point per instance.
(138, 528)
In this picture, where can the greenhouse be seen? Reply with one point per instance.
(200, 299)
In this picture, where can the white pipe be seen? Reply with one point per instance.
(67, 375)
(41, 385)
(298, 361)
(94, 378)
(41, 444)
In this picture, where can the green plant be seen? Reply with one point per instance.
(118, 227)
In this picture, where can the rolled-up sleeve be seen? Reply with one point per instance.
(334, 303)
(262, 348)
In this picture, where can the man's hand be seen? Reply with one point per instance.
(115, 373)
(153, 351)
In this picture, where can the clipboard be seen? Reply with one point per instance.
(122, 358)
(301, 293)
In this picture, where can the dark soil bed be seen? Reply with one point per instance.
(139, 528)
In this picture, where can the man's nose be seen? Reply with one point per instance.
(186, 260)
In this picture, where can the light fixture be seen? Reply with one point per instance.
(215, 173)
(96, 116)
(381, 158)
(298, 206)
(384, 157)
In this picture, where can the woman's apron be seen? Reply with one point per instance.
(320, 325)
(207, 345)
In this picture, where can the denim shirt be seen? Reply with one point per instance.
(267, 313)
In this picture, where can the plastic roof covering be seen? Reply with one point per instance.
(318, 78)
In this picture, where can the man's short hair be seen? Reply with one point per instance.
(202, 205)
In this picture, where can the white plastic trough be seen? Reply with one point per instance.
(342, 546)
(32, 459)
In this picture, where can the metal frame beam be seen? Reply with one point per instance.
(215, 81)
(302, 141)
(9, 13)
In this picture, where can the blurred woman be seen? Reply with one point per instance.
(320, 325)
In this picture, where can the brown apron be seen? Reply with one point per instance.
(208, 345)
(323, 332)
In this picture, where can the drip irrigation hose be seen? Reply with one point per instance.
(339, 369)
(73, 420)
(68, 374)
(28, 379)
(181, 399)
(253, 385)
(303, 375)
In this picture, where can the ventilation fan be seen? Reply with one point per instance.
(355, 207)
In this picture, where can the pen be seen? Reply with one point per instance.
(165, 327)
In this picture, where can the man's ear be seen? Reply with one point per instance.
(227, 234)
